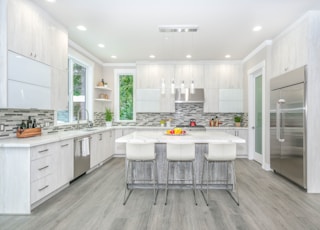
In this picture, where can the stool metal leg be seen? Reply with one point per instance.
(125, 199)
(234, 187)
(194, 183)
(205, 162)
(155, 182)
(167, 183)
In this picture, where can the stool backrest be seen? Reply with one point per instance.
(180, 151)
(222, 152)
(140, 151)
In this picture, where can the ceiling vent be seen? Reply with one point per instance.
(178, 28)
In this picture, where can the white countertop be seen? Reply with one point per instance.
(157, 133)
(192, 136)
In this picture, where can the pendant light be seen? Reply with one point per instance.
(172, 87)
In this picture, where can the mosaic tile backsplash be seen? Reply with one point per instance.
(10, 119)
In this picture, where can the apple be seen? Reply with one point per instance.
(171, 131)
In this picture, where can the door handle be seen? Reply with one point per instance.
(252, 127)
(279, 119)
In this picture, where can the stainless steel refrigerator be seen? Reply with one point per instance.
(288, 125)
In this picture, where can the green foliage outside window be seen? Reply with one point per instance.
(126, 97)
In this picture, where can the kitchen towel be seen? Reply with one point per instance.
(85, 147)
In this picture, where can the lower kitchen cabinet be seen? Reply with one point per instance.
(120, 148)
(38, 171)
(101, 147)
(242, 149)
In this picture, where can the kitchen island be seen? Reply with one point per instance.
(201, 140)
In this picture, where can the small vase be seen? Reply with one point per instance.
(237, 124)
(108, 123)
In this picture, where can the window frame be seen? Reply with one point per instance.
(117, 73)
(89, 89)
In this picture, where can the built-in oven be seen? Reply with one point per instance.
(82, 148)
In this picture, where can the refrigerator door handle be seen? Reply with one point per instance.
(279, 119)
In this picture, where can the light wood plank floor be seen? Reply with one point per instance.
(267, 201)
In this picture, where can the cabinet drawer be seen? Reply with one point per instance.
(41, 188)
(41, 151)
(41, 168)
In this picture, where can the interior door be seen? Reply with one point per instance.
(258, 119)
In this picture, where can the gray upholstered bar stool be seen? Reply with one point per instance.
(221, 153)
(181, 152)
(140, 152)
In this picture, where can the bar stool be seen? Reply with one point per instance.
(221, 153)
(140, 152)
(181, 152)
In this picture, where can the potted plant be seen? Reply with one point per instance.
(237, 121)
(162, 122)
(108, 117)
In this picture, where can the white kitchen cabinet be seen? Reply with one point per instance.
(64, 162)
(43, 168)
(149, 76)
(28, 31)
(59, 46)
(59, 89)
(110, 144)
(38, 172)
(223, 87)
(102, 147)
(242, 149)
(148, 88)
(188, 73)
(120, 148)
(290, 49)
(98, 148)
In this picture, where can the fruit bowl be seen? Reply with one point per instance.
(175, 132)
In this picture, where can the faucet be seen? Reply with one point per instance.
(89, 123)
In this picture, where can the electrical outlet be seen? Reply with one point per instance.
(2, 127)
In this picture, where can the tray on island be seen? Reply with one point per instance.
(169, 134)
(22, 133)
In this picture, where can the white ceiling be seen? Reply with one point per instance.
(129, 29)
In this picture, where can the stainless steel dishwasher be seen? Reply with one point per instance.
(82, 148)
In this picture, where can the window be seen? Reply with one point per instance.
(124, 99)
(78, 93)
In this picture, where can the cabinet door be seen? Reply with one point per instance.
(242, 149)
(211, 102)
(28, 22)
(59, 89)
(59, 47)
(95, 151)
(65, 172)
(189, 72)
(110, 144)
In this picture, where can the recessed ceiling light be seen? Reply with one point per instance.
(82, 28)
(101, 45)
(257, 28)
(51, 0)
(114, 57)
(188, 56)
(228, 56)
(152, 56)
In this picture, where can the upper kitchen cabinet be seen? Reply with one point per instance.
(189, 72)
(150, 76)
(223, 87)
(290, 49)
(223, 75)
(33, 33)
(148, 83)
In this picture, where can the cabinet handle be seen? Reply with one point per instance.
(43, 188)
(42, 151)
(65, 145)
(35, 55)
(40, 169)
(100, 139)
